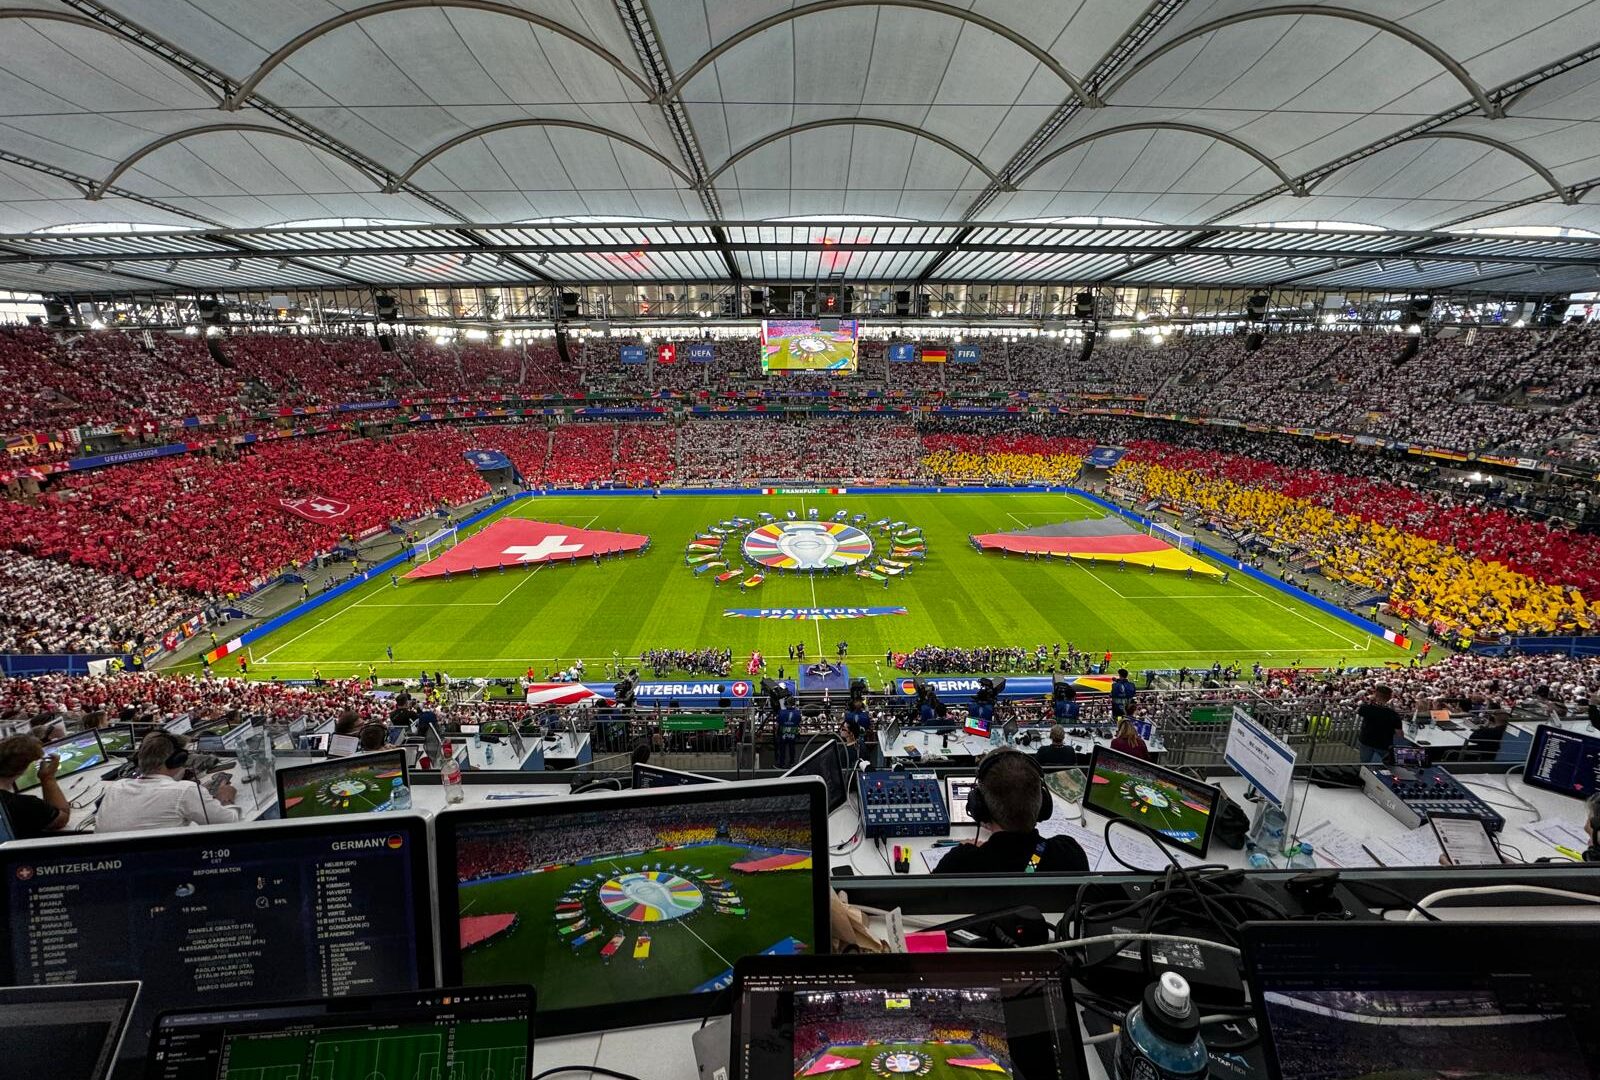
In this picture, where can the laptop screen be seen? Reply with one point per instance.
(470, 1034)
(949, 1015)
(1414, 998)
(81, 1024)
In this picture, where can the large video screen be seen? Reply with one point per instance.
(223, 915)
(798, 346)
(619, 905)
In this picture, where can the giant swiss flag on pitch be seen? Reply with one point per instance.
(517, 544)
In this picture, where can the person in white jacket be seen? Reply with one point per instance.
(160, 797)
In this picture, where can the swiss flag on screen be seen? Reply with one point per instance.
(667, 354)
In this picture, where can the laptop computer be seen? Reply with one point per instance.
(1440, 998)
(484, 1031)
(947, 1014)
(68, 1032)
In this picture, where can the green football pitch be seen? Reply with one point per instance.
(684, 953)
(545, 618)
(898, 1058)
(487, 1050)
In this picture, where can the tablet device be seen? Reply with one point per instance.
(1464, 839)
(1170, 806)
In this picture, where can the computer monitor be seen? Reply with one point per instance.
(518, 746)
(956, 790)
(954, 1014)
(480, 1034)
(181, 725)
(655, 776)
(343, 745)
(70, 1031)
(223, 915)
(354, 785)
(119, 739)
(825, 762)
(1261, 758)
(75, 752)
(1440, 998)
(627, 908)
(1170, 806)
(235, 737)
(1565, 762)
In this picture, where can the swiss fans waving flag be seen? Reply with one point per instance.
(667, 354)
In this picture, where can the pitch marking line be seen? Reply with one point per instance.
(318, 625)
(525, 579)
(704, 942)
(812, 580)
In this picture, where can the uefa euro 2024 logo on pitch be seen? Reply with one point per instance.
(807, 545)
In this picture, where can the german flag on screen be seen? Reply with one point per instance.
(933, 356)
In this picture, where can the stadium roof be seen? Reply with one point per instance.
(442, 117)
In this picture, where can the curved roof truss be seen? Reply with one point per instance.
(39, 15)
(1194, 129)
(931, 6)
(149, 148)
(248, 87)
(1444, 59)
(508, 125)
(850, 121)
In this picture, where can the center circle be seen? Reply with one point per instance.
(1149, 796)
(347, 788)
(900, 1063)
(807, 545)
(650, 897)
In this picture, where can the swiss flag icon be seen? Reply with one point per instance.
(667, 354)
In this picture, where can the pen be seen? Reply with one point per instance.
(1371, 856)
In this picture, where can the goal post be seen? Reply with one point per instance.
(1181, 540)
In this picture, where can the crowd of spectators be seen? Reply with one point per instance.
(48, 606)
(663, 662)
(214, 524)
(140, 696)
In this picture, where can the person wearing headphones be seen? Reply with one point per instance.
(1056, 751)
(160, 797)
(1008, 801)
(373, 737)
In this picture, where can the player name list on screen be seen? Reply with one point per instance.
(254, 920)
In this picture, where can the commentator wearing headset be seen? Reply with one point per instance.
(1008, 801)
(160, 797)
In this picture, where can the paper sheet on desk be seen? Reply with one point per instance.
(1558, 834)
(1332, 846)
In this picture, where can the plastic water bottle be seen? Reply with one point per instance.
(1273, 827)
(488, 754)
(399, 794)
(450, 776)
(1303, 859)
(1258, 859)
(1160, 1038)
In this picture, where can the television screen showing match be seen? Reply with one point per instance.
(632, 904)
(797, 346)
(354, 785)
(1170, 805)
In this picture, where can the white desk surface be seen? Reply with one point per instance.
(664, 1052)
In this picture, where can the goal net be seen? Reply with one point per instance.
(1180, 540)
